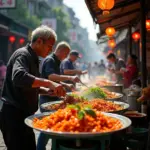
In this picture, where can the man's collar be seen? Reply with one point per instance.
(32, 52)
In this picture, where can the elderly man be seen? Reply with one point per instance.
(21, 89)
(51, 71)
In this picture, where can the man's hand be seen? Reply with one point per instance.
(75, 79)
(68, 86)
(58, 89)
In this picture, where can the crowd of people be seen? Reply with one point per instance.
(25, 79)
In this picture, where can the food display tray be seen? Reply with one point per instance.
(126, 122)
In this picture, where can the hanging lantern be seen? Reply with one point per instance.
(136, 36)
(110, 31)
(111, 43)
(148, 25)
(12, 39)
(106, 5)
(21, 41)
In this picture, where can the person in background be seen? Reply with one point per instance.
(2, 74)
(130, 73)
(51, 71)
(21, 88)
(119, 63)
(102, 67)
(67, 66)
(89, 70)
(95, 69)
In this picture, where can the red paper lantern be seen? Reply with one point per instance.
(148, 25)
(106, 5)
(110, 31)
(21, 41)
(12, 39)
(136, 36)
(111, 43)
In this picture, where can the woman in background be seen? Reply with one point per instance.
(130, 73)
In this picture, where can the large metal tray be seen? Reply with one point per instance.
(124, 105)
(118, 98)
(126, 122)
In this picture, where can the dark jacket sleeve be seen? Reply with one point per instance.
(20, 72)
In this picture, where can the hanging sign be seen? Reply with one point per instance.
(52, 23)
(7, 4)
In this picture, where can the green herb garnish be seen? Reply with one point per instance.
(82, 111)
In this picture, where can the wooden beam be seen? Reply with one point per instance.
(121, 5)
(117, 16)
(143, 46)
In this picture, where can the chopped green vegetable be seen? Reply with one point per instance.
(81, 114)
(76, 107)
(94, 92)
(90, 112)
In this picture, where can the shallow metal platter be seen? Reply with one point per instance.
(118, 97)
(122, 104)
(124, 120)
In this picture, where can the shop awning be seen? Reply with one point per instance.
(124, 13)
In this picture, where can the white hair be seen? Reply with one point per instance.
(62, 45)
(43, 32)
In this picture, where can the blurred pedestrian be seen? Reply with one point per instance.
(89, 68)
(102, 67)
(95, 70)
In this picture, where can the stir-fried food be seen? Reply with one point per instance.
(70, 99)
(104, 83)
(97, 104)
(78, 120)
(102, 105)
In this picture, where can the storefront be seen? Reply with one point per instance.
(12, 36)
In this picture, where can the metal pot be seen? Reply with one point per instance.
(132, 101)
(118, 88)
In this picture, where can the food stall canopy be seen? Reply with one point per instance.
(123, 14)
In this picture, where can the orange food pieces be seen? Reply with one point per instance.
(65, 120)
(102, 105)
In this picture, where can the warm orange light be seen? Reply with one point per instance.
(111, 43)
(148, 25)
(106, 5)
(136, 36)
(110, 31)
